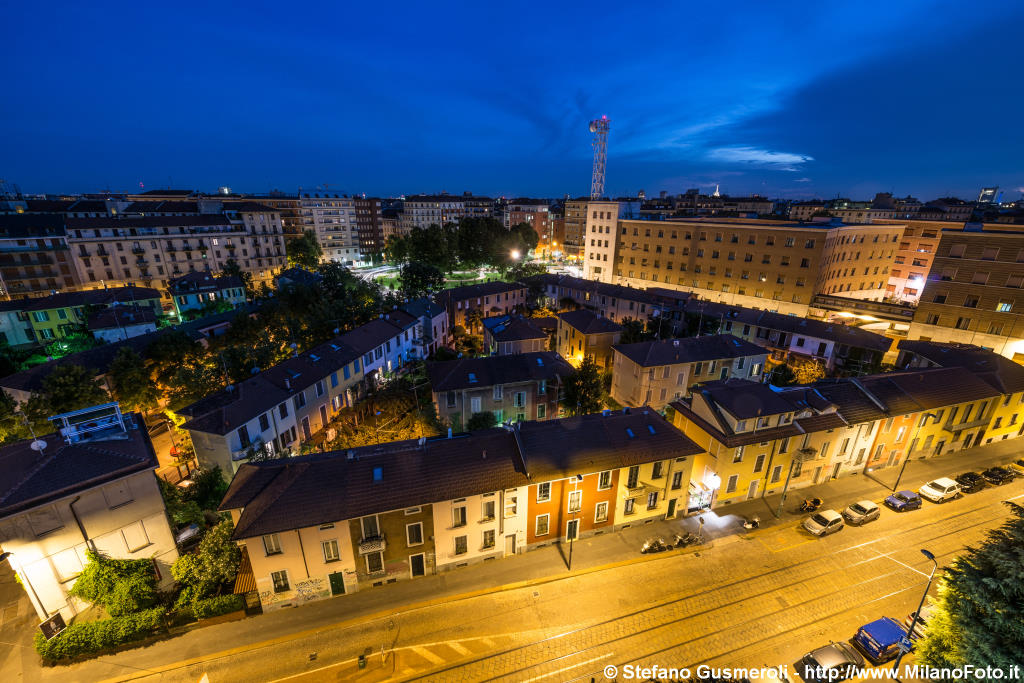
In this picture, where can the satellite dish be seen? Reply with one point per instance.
(37, 445)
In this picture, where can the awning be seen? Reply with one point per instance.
(245, 581)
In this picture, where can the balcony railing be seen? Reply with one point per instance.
(372, 544)
(960, 426)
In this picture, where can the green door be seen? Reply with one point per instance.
(337, 583)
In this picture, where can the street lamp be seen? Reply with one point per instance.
(575, 510)
(924, 418)
(917, 614)
(515, 254)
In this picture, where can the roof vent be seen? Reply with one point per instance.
(378, 474)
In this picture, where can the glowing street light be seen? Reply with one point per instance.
(515, 254)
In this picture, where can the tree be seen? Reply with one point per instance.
(633, 331)
(808, 372)
(782, 376)
(483, 420)
(12, 424)
(583, 389)
(977, 617)
(120, 586)
(420, 279)
(232, 269)
(132, 383)
(203, 573)
(304, 252)
(66, 388)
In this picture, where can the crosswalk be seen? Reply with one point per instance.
(416, 660)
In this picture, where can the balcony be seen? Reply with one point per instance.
(102, 252)
(372, 544)
(960, 426)
(138, 250)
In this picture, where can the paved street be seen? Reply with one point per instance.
(764, 597)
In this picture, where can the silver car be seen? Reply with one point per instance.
(861, 512)
(824, 523)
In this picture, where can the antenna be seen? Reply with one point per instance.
(599, 127)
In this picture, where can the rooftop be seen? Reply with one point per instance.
(688, 350)
(509, 328)
(588, 322)
(469, 373)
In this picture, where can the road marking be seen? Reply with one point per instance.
(859, 545)
(427, 654)
(461, 649)
(488, 642)
(1016, 497)
(574, 666)
(887, 555)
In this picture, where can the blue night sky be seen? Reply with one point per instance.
(792, 99)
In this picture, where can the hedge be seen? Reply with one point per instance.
(221, 604)
(91, 637)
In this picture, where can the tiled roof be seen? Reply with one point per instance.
(422, 308)
(508, 328)
(148, 222)
(203, 281)
(589, 322)
(688, 350)
(1004, 374)
(29, 478)
(908, 392)
(850, 400)
(368, 337)
(31, 225)
(298, 276)
(299, 492)
(119, 316)
(476, 291)
(745, 399)
(842, 334)
(594, 287)
(724, 434)
(470, 373)
(597, 442)
(93, 297)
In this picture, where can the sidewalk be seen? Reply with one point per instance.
(533, 568)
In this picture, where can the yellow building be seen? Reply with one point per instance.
(59, 315)
(583, 333)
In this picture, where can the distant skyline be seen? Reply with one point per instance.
(796, 100)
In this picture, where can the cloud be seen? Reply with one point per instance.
(802, 180)
(742, 154)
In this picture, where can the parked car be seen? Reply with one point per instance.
(997, 475)
(1017, 467)
(832, 662)
(824, 523)
(880, 640)
(940, 490)
(922, 623)
(861, 512)
(971, 482)
(902, 501)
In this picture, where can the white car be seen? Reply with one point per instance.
(940, 490)
(824, 523)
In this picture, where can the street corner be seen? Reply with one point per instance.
(781, 538)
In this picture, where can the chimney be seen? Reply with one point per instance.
(287, 383)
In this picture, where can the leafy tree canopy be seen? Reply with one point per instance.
(483, 420)
(132, 382)
(304, 252)
(420, 279)
(66, 388)
(583, 389)
(120, 586)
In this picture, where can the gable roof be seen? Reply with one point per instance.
(472, 373)
(29, 478)
(688, 350)
(745, 399)
(202, 281)
(479, 290)
(509, 328)
(91, 297)
(1002, 373)
(119, 316)
(588, 322)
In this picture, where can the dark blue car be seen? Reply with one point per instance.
(901, 501)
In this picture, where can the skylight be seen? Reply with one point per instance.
(629, 433)
(472, 377)
(650, 428)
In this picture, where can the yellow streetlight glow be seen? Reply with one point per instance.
(515, 254)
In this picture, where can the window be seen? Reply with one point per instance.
(282, 410)
(776, 474)
(498, 388)
(461, 545)
(319, 386)
(414, 533)
(652, 500)
(604, 480)
(280, 580)
(1004, 306)
(375, 562)
(759, 463)
(117, 494)
(657, 470)
(135, 537)
(541, 526)
(963, 323)
(487, 510)
(629, 506)
(544, 492)
(575, 500)
(412, 511)
(371, 529)
(634, 477)
(542, 411)
(272, 544)
(601, 512)
(331, 553)
(730, 486)
(459, 516)
(299, 400)
(511, 504)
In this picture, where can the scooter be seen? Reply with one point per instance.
(811, 505)
(655, 545)
(685, 540)
(752, 523)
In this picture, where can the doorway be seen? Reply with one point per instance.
(572, 530)
(835, 470)
(417, 565)
(337, 580)
(323, 416)
(752, 489)
(671, 509)
(510, 545)
(305, 429)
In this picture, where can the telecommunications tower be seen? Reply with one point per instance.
(599, 127)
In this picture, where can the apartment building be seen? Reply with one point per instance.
(422, 211)
(57, 316)
(583, 333)
(972, 294)
(197, 289)
(153, 250)
(470, 304)
(90, 487)
(574, 229)
(370, 228)
(533, 212)
(333, 220)
(788, 337)
(765, 264)
(615, 302)
(505, 335)
(656, 372)
(34, 256)
(913, 259)
(599, 240)
(433, 329)
(335, 523)
(515, 388)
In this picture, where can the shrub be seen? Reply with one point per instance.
(120, 586)
(212, 607)
(90, 637)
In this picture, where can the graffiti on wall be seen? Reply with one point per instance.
(312, 589)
